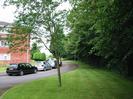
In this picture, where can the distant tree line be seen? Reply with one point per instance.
(102, 33)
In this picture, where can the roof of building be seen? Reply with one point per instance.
(3, 26)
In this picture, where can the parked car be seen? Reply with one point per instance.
(55, 63)
(40, 65)
(43, 65)
(21, 69)
(52, 62)
(47, 65)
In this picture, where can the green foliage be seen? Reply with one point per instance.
(102, 29)
(34, 49)
(17, 37)
(56, 44)
(37, 56)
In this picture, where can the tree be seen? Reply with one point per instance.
(56, 44)
(43, 19)
(37, 56)
(104, 29)
(34, 49)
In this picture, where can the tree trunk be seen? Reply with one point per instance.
(59, 74)
(60, 62)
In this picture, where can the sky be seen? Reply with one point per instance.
(7, 14)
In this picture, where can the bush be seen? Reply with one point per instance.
(39, 56)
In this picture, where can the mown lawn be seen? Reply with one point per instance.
(2, 69)
(82, 83)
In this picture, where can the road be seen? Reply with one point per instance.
(7, 82)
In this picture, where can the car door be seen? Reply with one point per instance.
(48, 66)
(30, 68)
(26, 68)
(21, 67)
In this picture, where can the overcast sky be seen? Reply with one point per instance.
(7, 13)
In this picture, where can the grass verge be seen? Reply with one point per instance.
(82, 83)
(2, 69)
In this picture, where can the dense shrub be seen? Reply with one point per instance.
(39, 56)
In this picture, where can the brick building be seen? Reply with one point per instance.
(7, 55)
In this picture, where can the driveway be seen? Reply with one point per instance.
(9, 81)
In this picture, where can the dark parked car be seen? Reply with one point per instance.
(21, 69)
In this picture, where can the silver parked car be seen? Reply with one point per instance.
(52, 62)
(46, 65)
(43, 65)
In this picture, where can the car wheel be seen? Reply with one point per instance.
(35, 70)
(9, 74)
(44, 69)
(21, 73)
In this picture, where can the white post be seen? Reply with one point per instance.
(27, 49)
(27, 55)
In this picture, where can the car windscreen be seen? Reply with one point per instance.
(13, 65)
(39, 63)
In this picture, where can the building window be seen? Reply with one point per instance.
(5, 57)
(3, 43)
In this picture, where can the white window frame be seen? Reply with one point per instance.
(3, 43)
(5, 57)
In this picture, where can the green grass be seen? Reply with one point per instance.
(2, 69)
(82, 83)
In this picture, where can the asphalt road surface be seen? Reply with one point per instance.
(7, 82)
